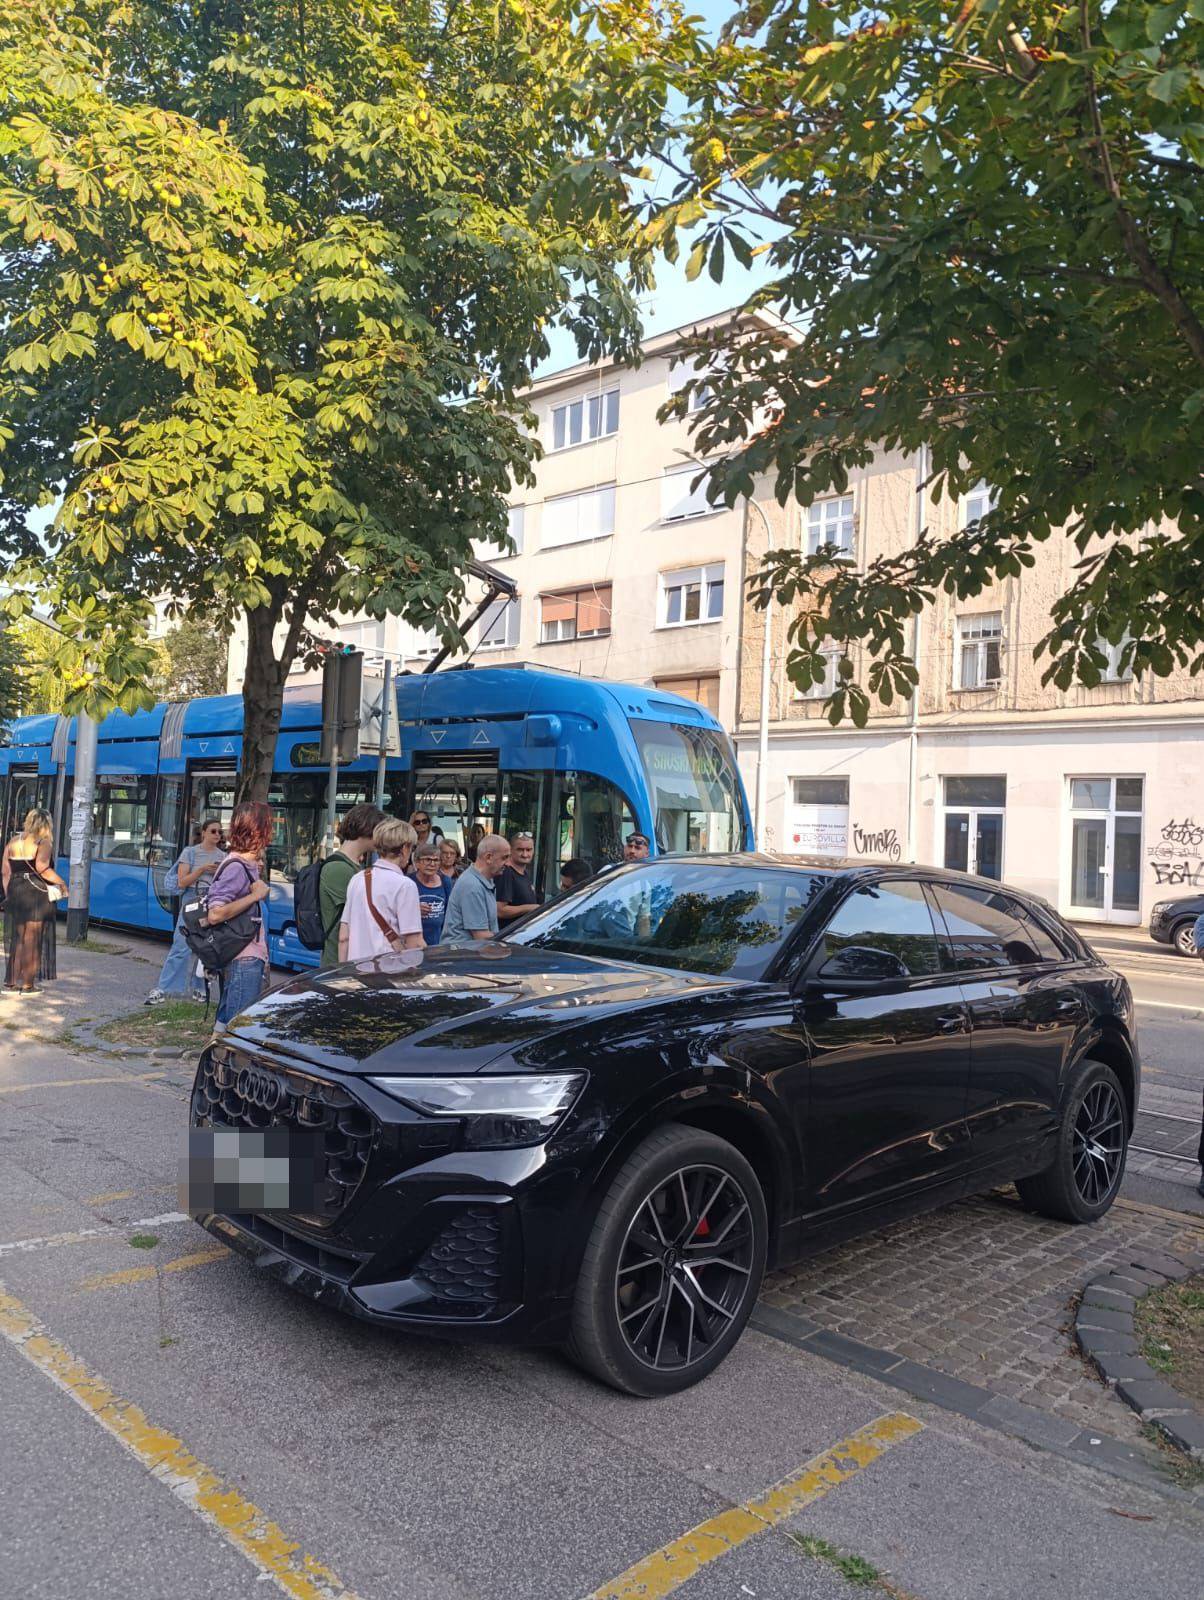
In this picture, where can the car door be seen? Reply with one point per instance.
(1025, 1004)
(888, 1058)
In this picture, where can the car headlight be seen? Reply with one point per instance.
(496, 1112)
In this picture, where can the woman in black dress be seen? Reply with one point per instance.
(27, 876)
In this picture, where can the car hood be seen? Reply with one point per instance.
(449, 1010)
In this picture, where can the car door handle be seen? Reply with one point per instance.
(951, 1021)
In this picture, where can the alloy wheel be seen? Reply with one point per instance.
(1098, 1145)
(685, 1267)
(1185, 940)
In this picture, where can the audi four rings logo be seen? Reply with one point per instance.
(261, 1088)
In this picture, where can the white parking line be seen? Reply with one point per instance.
(17, 1246)
(1172, 1005)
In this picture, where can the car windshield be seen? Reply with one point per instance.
(695, 916)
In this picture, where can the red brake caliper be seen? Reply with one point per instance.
(703, 1228)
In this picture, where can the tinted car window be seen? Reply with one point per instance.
(893, 917)
(730, 921)
(985, 930)
(1046, 945)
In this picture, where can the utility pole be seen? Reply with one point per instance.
(79, 873)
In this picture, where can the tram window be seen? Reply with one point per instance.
(122, 820)
(298, 803)
(593, 817)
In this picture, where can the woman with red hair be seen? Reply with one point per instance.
(238, 887)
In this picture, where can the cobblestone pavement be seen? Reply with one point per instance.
(984, 1291)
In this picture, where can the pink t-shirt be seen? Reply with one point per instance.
(396, 899)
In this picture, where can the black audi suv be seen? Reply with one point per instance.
(1174, 922)
(601, 1130)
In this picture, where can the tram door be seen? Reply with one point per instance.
(465, 801)
(183, 803)
(20, 795)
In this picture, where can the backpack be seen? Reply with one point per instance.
(216, 947)
(307, 905)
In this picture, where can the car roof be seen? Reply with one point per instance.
(841, 867)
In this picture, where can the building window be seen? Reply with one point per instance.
(574, 518)
(830, 522)
(579, 614)
(680, 374)
(678, 500)
(591, 417)
(693, 594)
(979, 648)
(418, 643)
(817, 819)
(703, 690)
(821, 691)
(514, 528)
(498, 628)
(981, 500)
(1119, 668)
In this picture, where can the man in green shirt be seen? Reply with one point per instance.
(355, 831)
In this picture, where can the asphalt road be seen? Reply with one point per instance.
(176, 1425)
(1169, 993)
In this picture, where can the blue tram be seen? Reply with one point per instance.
(574, 761)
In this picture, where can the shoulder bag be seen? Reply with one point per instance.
(390, 934)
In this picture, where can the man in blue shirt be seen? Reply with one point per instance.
(472, 905)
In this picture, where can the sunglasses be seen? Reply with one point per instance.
(420, 819)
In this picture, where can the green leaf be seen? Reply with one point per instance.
(1169, 85)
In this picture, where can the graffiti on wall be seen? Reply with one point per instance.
(1170, 859)
(1184, 871)
(876, 842)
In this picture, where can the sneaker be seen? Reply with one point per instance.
(155, 998)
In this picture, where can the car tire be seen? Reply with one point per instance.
(1092, 1144)
(1184, 938)
(649, 1271)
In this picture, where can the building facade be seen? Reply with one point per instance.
(622, 568)
(1093, 798)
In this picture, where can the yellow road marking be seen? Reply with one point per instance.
(80, 1083)
(107, 1199)
(117, 1280)
(168, 1459)
(677, 1562)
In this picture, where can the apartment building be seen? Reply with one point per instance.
(1091, 798)
(622, 568)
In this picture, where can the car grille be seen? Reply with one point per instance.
(464, 1262)
(233, 1090)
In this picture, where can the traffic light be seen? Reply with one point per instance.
(342, 680)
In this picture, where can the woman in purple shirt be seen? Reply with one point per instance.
(237, 887)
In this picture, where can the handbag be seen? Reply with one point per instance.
(390, 933)
(216, 947)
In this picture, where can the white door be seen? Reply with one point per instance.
(1105, 848)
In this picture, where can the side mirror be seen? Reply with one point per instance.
(858, 967)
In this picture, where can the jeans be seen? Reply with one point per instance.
(178, 975)
(242, 984)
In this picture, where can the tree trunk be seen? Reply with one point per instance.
(262, 703)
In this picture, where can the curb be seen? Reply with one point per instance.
(1142, 1464)
(1105, 1333)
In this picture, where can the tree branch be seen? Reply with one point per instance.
(1153, 276)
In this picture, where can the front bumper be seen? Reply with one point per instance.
(410, 1233)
